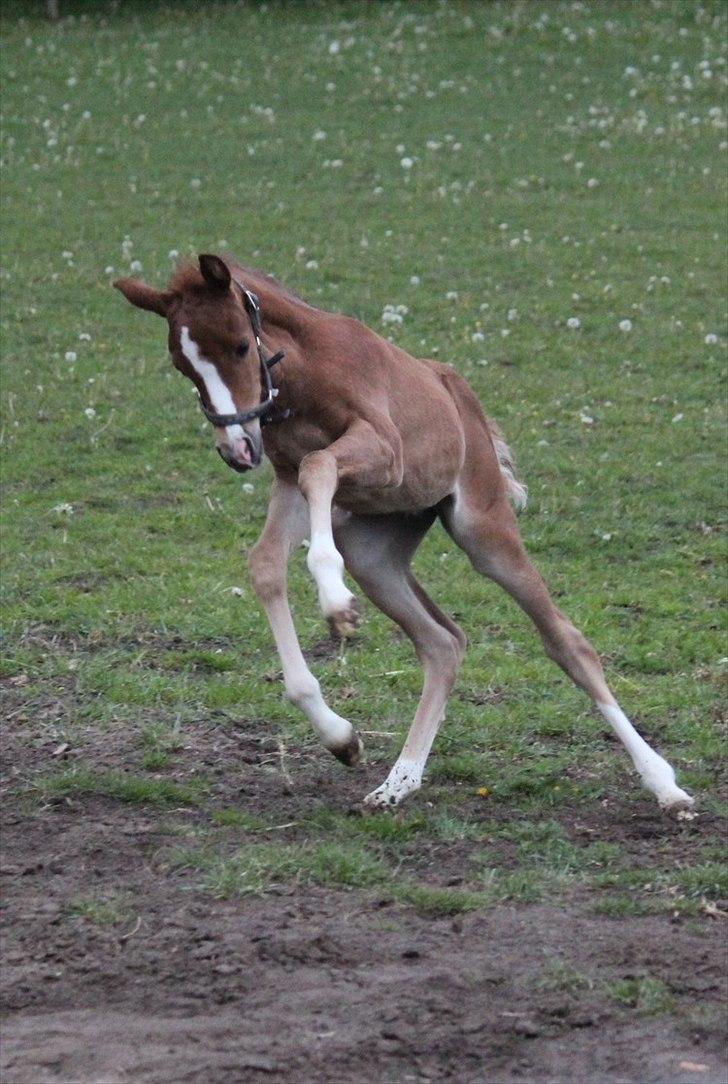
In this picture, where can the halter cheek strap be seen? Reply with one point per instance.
(264, 410)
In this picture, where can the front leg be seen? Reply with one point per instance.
(285, 528)
(370, 457)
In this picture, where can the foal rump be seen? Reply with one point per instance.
(476, 424)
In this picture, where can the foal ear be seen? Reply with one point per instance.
(143, 296)
(215, 272)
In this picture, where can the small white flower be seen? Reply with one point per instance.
(414, 280)
(90, 412)
(592, 183)
(195, 182)
(248, 487)
(451, 295)
(311, 265)
(711, 339)
(135, 265)
(625, 325)
(334, 47)
(585, 419)
(318, 136)
(67, 255)
(478, 337)
(109, 270)
(678, 417)
(70, 355)
(173, 254)
(64, 509)
(394, 314)
(573, 323)
(406, 163)
(84, 337)
(237, 591)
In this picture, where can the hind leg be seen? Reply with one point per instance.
(492, 541)
(377, 551)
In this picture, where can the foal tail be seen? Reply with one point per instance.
(516, 490)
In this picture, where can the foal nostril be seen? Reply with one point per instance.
(241, 454)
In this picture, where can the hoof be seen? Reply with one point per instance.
(344, 623)
(676, 802)
(349, 754)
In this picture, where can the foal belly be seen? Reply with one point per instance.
(425, 483)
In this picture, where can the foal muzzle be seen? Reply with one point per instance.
(242, 453)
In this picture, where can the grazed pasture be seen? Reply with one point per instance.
(534, 192)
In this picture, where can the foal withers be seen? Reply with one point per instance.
(369, 446)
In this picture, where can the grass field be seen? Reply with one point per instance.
(540, 189)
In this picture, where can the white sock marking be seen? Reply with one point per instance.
(217, 391)
(656, 774)
(326, 565)
(302, 688)
(404, 778)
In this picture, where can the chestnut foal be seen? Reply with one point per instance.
(369, 446)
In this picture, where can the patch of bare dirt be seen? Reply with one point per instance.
(314, 983)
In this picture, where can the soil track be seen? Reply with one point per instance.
(312, 983)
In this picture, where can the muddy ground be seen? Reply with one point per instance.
(312, 983)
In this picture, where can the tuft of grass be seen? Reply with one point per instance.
(259, 867)
(617, 906)
(125, 788)
(238, 818)
(440, 902)
(520, 885)
(644, 993)
(101, 911)
(158, 742)
(561, 976)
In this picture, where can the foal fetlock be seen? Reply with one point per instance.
(338, 605)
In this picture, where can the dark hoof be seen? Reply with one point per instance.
(349, 754)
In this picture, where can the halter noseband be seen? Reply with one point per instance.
(264, 410)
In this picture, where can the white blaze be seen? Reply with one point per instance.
(218, 392)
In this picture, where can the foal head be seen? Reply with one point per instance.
(211, 341)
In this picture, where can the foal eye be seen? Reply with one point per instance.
(242, 350)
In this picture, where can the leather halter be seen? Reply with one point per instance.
(264, 410)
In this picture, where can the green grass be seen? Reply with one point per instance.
(258, 867)
(131, 133)
(101, 911)
(645, 994)
(123, 787)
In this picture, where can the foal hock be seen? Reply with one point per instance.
(369, 447)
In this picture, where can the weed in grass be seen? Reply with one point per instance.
(645, 994)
